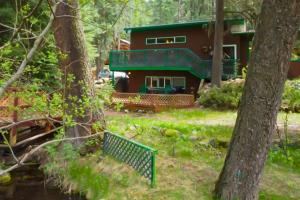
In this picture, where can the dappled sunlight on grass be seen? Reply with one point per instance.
(191, 155)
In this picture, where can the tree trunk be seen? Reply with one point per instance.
(69, 36)
(275, 33)
(217, 65)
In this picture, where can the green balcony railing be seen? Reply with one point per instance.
(179, 59)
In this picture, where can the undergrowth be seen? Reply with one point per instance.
(229, 94)
(74, 173)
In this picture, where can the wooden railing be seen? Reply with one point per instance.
(153, 101)
(10, 104)
(12, 119)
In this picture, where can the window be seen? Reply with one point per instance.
(180, 39)
(179, 82)
(148, 81)
(151, 41)
(163, 82)
(168, 81)
(166, 40)
(155, 82)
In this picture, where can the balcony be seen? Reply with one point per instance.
(176, 59)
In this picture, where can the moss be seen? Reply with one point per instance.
(5, 179)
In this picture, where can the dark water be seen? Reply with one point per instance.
(29, 185)
(38, 192)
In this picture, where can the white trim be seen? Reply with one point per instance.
(174, 38)
(234, 47)
(164, 77)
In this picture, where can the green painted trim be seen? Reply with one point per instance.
(153, 175)
(162, 49)
(151, 68)
(136, 143)
(202, 63)
(153, 153)
(181, 25)
(295, 60)
(113, 78)
(158, 68)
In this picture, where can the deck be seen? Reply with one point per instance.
(155, 102)
(172, 59)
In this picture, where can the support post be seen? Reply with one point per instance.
(13, 131)
(153, 175)
(113, 78)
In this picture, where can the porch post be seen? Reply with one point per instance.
(113, 78)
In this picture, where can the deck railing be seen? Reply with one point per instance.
(181, 59)
(153, 101)
(10, 104)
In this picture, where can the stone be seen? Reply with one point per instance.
(171, 133)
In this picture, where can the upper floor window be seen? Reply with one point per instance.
(166, 40)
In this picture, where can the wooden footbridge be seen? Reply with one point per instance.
(19, 131)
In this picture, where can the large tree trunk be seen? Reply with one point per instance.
(69, 36)
(275, 33)
(217, 65)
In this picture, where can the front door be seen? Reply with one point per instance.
(229, 52)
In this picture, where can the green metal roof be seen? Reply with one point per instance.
(181, 25)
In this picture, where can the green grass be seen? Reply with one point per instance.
(187, 167)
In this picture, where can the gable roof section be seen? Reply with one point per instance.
(181, 25)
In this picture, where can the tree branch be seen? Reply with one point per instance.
(28, 57)
(31, 153)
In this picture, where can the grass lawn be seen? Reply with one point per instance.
(187, 166)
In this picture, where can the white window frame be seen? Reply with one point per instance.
(164, 77)
(174, 38)
(234, 47)
(151, 43)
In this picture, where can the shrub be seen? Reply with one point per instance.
(228, 96)
(291, 96)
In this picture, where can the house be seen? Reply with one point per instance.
(173, 58)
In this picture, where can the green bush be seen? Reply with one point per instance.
(289, 158)
(291, 96)
(228, 96)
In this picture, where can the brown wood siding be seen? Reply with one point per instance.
(137, 79)
(197, 39)
(294, 71)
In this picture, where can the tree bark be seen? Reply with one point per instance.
(69, 36)
(217, 65)
(275, 34)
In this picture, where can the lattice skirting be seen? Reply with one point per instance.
(138, 156)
